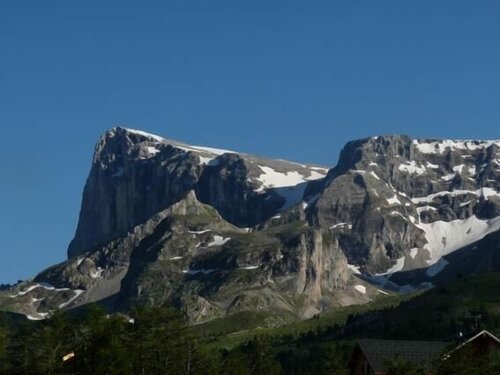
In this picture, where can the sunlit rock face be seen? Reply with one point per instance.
(215, 232)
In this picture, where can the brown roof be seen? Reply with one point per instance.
(421, 353)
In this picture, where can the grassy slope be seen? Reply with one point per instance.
(441, 313)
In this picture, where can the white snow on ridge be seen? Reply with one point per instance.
(445, 237)
(273, 179)
(482, 192)
(315, 176)
(411, 167)
(212, 150)
(438, 147)
(38, 285)
(320, 169)
(144, 134)
(290, 185)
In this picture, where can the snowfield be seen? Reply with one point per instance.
(444, 237)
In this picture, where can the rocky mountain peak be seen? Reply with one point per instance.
(136, 174)
(216, 232)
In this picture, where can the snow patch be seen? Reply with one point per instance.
(203, 271)
(482, 192)
(445, 237)
(394, 200)
(249, 268)
(340, 225)
(97, 273)
(413, 252)
(212, 150)
(400, 263)
(270, 178)
(438, 147)
(360, 288)
(354, 269)
(77, 292)
(199, 231)
(152, 150)
(41, 316)
(38, 285)
(411, 167)
(448, 177)
(218, 241)
(147, 135)
(290, 185)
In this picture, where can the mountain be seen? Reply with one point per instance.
(215, 232)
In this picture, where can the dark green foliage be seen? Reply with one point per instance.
(402, 367)
(151, 341)
(154, 340)
(467, 362)
(4, 346)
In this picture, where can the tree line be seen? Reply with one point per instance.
(151, 340)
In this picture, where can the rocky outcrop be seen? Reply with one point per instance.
(215, 232)
(135, 175)
(386, 192)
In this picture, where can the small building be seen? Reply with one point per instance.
(480, 343)
(370, 357)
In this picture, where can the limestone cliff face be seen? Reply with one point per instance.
(128, 184)
(215, 232)
(135, 175)
(386, 192)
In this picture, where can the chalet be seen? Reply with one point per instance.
(370, 357)
(479, 343)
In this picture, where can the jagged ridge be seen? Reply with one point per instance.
(216, 232)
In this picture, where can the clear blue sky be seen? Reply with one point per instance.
(289, 79)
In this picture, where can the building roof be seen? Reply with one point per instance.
(484, 333)
(422, 353)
